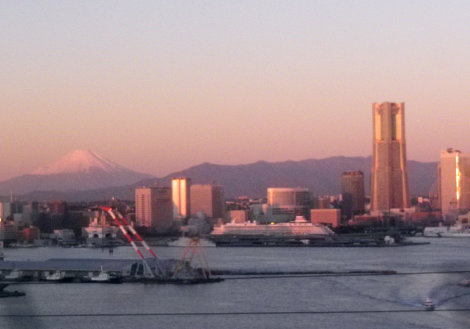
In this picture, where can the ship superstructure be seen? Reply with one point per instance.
(298, 228)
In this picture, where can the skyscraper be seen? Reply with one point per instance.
(454, 182)
(352, 192)
(154, 207)
(389, 177)
(180, 190)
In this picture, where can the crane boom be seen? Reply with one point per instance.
(119, 220)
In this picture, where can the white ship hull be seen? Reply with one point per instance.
(291, 229)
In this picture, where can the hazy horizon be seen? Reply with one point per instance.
(161, 86)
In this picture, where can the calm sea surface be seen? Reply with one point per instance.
(154, 306)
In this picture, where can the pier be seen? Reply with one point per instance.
(118, 270)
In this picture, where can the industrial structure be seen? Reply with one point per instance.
(146, 269)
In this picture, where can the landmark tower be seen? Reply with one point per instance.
(389, 177)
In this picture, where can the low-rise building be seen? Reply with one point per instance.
(99, 232)
(328, 217)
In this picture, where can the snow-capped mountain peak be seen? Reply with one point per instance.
(79, 170)
(79, 161)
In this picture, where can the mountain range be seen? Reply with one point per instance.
(86, 176)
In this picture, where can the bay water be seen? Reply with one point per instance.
(385, 301)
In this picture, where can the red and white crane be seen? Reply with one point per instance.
(125, 228)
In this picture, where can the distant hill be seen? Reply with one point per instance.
(321, 176)
(79, 170)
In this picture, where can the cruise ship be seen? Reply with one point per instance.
(300, 228)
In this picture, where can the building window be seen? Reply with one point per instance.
(394, 127)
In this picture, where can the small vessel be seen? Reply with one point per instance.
(5, 293)
(57, 276)
(428, 304)
(461, 229)
(14, 275)
(455, 231)
(102, 277)
(465, 283)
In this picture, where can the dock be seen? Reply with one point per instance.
(83, 270)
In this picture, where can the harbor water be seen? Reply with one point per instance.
(377, 301)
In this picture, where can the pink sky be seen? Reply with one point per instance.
(159, 87)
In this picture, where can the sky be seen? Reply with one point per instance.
(159, 86)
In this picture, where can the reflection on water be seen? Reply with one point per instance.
(261, 295)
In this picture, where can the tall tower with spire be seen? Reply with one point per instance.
(389, 174)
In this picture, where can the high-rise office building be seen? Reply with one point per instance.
(208, 199)
(154, 207)
(180, 190)
(389, 177)
(352, 192)
(454, 182)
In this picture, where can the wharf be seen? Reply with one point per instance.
(80, 270)
(67, 264)
(75, 269)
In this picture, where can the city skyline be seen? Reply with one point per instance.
(160, 87)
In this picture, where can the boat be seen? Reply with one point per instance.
(6, 293)
(102, 277)
(464, 283)
(57, 276)
(454, 231)
(299, 228)
(185, 242)
(14, 275)
(461, 229)
(428, 304)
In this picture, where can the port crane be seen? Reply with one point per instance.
(194, 249)
(125, 228)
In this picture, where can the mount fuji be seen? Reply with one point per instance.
(79, 170)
